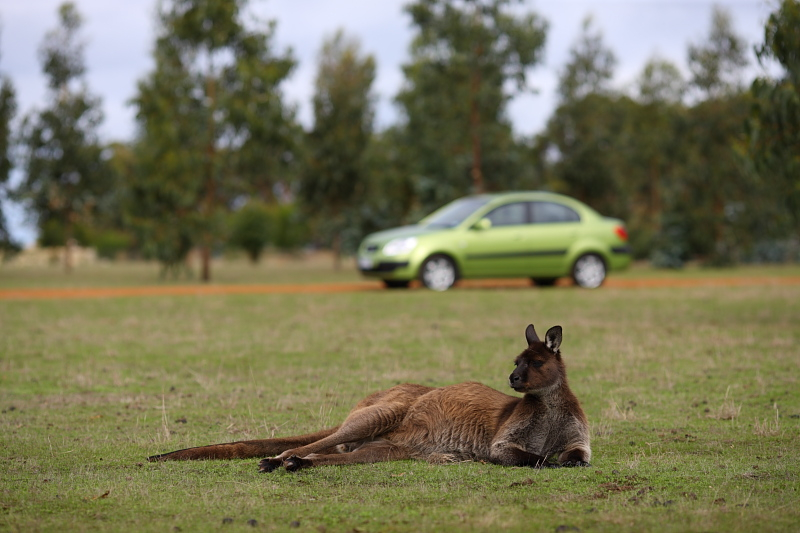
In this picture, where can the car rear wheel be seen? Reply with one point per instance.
(438, 273)
(396, 284)
(589, 271)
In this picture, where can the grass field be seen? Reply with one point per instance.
(692, 395)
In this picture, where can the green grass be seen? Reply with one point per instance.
(692, 395)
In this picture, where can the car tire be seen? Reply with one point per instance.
(544, 282)
(396, 284)
(438, 272)
(589, 271)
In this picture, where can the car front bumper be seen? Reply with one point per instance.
(385, 269)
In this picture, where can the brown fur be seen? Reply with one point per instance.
(468, 421)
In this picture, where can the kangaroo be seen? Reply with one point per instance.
(468, 421)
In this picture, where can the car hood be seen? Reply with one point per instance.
(399, 233)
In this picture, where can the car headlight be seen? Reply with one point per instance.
(400, 246)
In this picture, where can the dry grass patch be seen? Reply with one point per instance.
(615, 411)
(728, 410)
(767, 427)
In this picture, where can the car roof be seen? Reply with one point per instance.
(523, 194)
(494, 197)
(532, 195)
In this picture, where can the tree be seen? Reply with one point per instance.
(8, 108)
(590, 67)
(773, 140)
(251, 227)
(653, 154)
(661, 82)
(714, 184)
(64, 171)
(333, 183)
(213, 126)
(717, 64)
(110, 233)
(467, 60)
(713, 188)
(582, 137)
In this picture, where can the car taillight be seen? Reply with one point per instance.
(621, 232)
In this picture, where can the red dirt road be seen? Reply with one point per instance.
(321, 288)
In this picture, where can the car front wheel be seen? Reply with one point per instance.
(589, 271)
(438, 273)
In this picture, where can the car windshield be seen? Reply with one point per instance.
(454, 213)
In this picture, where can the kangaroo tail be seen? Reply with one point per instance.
(246, 449)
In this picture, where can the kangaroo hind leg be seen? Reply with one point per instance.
(361, 426)
(371, 452)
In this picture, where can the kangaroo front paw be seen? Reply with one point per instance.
(294, 463)
(268, 465)
(546, 464)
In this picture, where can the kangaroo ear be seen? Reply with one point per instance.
(531, 336)
(552, 339)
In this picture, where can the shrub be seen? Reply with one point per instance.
(250, 229)
(110, 243)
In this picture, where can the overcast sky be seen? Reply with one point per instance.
(119, 39)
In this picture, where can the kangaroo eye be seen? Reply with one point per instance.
(537, 364)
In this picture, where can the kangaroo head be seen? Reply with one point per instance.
(539, 368)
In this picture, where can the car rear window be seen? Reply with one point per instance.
(549, 212)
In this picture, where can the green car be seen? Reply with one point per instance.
(540, 235)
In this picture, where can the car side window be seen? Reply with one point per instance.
(509, 215)
(550, 212)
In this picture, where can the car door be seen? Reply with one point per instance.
(554, 228)
(500, 250)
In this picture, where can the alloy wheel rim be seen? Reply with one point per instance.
(439, 274)
(590, 272)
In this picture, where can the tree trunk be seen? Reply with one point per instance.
(68, 259)
(205, 262)
(69, 244)
(655, 197)
(336, 247)
(475, 131)
(210, 196)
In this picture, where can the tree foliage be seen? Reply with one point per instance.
(716, 64)
(65, 175)
(213, 126)
(582, 133)
(774, 126)
(251, 229)
(8, 109)
(670, 170)
(465, 58)
(661, 81)
(590, 67)
(333, 184)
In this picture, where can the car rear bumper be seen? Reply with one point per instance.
(620, 257)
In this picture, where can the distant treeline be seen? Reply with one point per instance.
(704, 166)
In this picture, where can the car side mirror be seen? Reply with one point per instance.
(482, 224)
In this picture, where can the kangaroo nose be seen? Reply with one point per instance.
(514, 379)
